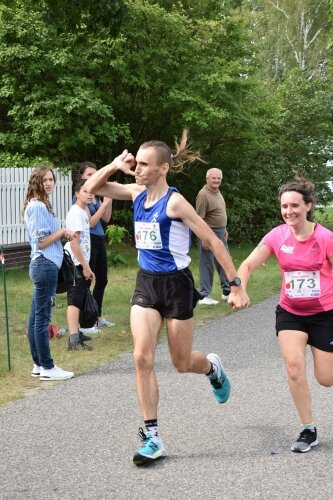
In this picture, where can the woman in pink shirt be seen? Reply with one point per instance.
(304, 315)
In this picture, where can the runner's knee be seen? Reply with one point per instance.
(143, 361)
(295, 369)
(181, 364)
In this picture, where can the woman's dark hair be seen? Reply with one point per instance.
(178, 160)
(82, 167)
(79, 184)
(36, 187)
(305, 188)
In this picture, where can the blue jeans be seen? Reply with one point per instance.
(44, 275)
(207, 263)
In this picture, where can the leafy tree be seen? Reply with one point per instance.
(291, 34)
(76, 85)
(78, 94)
(49, 104)
(295, 127)
(71, 16)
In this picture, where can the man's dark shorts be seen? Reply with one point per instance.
(319, 327)
(172, 294)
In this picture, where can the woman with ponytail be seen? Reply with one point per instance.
(304, 314)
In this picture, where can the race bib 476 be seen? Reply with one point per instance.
(147, 235)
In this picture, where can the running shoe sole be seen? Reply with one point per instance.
(298, 450)
(139, 459)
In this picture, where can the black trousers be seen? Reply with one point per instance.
(99, 266)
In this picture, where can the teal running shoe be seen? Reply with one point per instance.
(150, 450)
(219, 380)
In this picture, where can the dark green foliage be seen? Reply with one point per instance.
(71, 15)
(82, 80)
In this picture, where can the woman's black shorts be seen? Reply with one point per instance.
(319, 327)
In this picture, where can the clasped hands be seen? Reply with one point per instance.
(238, 299)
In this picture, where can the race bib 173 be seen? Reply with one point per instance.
(302, 284)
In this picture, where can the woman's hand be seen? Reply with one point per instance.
(69, 235)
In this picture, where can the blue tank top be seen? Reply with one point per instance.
(163, 243)
(98, 229)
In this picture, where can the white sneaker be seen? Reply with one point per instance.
(93, 329)
(35, 371)
(104, 322)
(225, 297)
(208, 301)
(54, 373)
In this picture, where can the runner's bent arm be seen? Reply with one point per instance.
(98, 184)
(178, 207)
(256, 259)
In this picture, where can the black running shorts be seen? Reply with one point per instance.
(319, 327)
(172, 294)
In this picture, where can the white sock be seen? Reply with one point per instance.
(152, 428)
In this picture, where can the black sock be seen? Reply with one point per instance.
(211, 371)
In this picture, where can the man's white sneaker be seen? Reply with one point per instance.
(104, 322)
(225, 297)
(35, 371)
(54, 373)
(90, 331)
(208, 301)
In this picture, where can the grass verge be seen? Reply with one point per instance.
(111, 342)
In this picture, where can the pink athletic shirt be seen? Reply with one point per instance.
(307, 284)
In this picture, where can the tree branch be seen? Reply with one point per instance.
(279, 8)
(314, 37)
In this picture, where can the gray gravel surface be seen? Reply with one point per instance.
(76, 440)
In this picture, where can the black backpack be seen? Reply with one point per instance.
(67, 274)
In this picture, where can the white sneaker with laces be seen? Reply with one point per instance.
(35, 371)
(104, 322)
(208, 301)
(54, 373)
(88, 331)
(225, 297)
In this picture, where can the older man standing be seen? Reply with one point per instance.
(210, 205)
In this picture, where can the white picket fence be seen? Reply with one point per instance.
(13, 188)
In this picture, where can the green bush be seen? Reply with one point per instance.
(124, 217)
(115, 236)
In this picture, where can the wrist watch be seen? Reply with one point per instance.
(235, 282)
